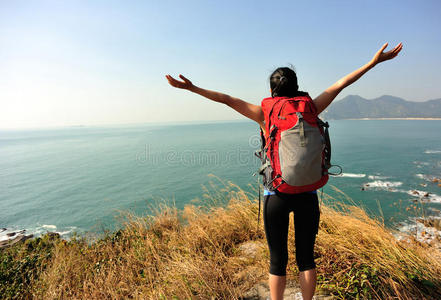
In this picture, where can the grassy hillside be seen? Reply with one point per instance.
(198, 253)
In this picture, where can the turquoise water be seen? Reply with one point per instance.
(79, 178)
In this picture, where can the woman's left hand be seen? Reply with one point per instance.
(381, 56)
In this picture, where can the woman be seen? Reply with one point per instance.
(277, 206)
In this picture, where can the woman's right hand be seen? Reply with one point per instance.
(185, 84)
(249, 110)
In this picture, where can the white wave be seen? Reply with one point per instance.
(390, 186)
(352, 175)
(36, 231)
(3, 235)
(377, 177)
(49, 226)
(12, 232)
(432, 151)
(425, 196)
(39, 230)
(426, 177)
(421, 163)
(383, 184)
(62, 233)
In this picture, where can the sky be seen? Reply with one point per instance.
(65, 63)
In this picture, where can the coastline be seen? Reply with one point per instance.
(175, 253)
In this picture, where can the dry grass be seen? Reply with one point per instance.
(188, 254)
(357, 255)
(194, 254)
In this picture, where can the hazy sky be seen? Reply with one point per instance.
(103, 62)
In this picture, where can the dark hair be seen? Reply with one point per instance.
(283, 83)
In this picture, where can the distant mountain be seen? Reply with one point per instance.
(356, 107)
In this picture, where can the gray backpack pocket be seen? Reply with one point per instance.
(300, 154)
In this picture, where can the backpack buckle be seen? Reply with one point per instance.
(273, 131)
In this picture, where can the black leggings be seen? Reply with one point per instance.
(276, 209)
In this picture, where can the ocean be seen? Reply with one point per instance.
(79, 179)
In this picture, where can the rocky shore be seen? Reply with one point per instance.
(430, 233)
(9, 238)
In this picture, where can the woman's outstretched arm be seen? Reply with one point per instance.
(325, 98)
(252, 111)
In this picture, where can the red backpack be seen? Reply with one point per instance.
(296, 150)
